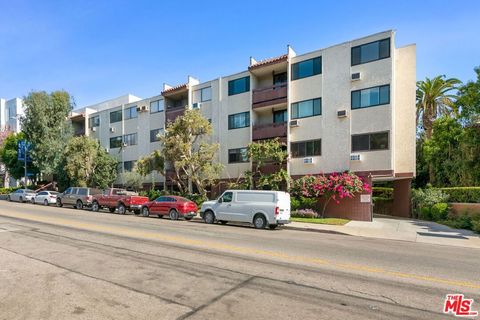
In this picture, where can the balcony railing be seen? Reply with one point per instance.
(268, 131)
(269, 168)
(171, 113)
(269, 96)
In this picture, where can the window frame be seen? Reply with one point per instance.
(128, 111)
(92, 124)
(368, 43)
(313, 108)
(232, 116)
(117, 138)
(284, 112)
(156, 139)
(134, 134)
(305, 142)
(158, 104)
(130, 162)
(295, 68)
(373, 105)
(370, 141)
(231, 86)
(116, 112)
(237, 149)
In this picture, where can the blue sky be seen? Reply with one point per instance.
(97, 50)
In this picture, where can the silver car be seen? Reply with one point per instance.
(21, 195)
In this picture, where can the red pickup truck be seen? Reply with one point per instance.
(120, 199)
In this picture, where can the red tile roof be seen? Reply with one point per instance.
(267, 62)
(176, 88)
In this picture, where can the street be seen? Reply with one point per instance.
(63, 263)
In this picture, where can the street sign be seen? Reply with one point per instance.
(24, 147)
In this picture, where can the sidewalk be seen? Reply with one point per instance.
(398, 229)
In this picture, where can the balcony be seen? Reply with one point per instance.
(171, 113)
(269, 96)
(269, 131)
(269, 168)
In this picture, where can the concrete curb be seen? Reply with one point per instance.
(314, 230)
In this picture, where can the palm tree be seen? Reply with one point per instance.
(434, 99)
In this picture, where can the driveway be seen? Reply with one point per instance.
(393, 228)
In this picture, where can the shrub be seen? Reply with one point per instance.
(439, 211)
(197, 198)
(294, 204)
(305, 213)
(8, 190)
(476, 225)
(382, 192)
(425, 213)
(462, 194)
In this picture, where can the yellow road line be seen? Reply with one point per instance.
(236, 249)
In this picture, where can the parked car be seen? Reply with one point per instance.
(21, 195)
(261, 208)
(78, 197)
(173, 206)
(120, 199)
(45, 197)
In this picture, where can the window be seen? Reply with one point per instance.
(280, 116)
(154, 134)
(307, 108)
(115, 142)
(255, 197)
(238, 86)
(68, 191)
(129, 165)
(130, 139)
(237, 155)
(370, 141)
(371, 97)
(202, 95)
(239, 120)
(306, 148)
(115, 116)
(130, 113)
(94, 122)
(307, 68)
(371, 51)
(280, 78)
(82, 191)
(227, 197)
(156, 106)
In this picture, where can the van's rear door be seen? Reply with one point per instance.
(283, 204)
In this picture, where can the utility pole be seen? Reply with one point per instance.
(25, 156)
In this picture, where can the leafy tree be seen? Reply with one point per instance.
(45, 125)
(268, 152)
(188, 154)
(4, 133)
(469, 100)
(434, 98)
(87, 164)
(132, 180)
(9, 156)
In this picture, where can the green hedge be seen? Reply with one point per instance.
(382, 192)
(462, 194)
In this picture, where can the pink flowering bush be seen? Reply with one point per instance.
(335, 186)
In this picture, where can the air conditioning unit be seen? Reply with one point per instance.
(142, 109)
(355, 157)
(94, 129)
(124, 145)
(294, 123)
(355, 76)
(342, 113)
(196, 105)
(112, 129)
(308, 160)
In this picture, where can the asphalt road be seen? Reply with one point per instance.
(61, 263)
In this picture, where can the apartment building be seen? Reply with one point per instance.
(350, 106)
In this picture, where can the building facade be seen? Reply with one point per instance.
(350, 106)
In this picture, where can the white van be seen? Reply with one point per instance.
(262, 208)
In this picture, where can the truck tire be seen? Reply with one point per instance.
(59, 203)
(259, 221)
(95, 206)
(209, 217)
(121, 208)
(79, 205)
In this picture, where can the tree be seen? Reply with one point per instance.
(469, 100)
(434, 99)
(188, 154)
(269, 152)
(132, 180)
(9, 156)
(46, 127)
(87, 164)
(4, 133)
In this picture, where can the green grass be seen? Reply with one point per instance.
(332, 221)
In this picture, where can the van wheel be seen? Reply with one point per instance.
(21, 200)
(95, 206)
(273, 226)
(45, 202)
(145, 212)
(259, 221)
(112, 210)
(59, 203)
(223, 222)
(209, 217)
(79, 205)
(121, 209)
(173, 214)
